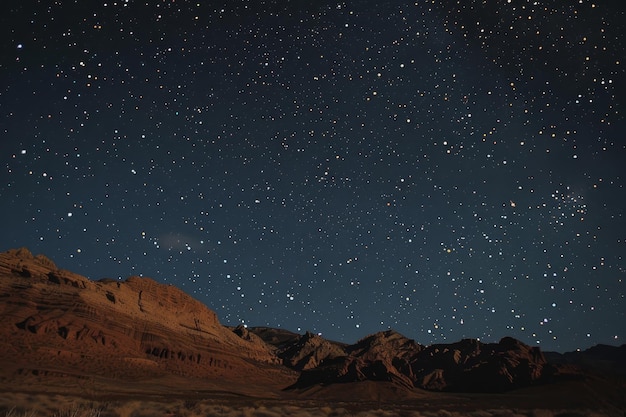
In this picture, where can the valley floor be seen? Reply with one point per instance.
(562, 400)
(33, 405)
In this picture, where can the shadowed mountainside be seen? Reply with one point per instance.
(468, 365)
(603, 358)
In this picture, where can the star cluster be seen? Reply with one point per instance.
(447, 169)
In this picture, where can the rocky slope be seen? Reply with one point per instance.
(57, 321)
(464, 366)
(604, 358)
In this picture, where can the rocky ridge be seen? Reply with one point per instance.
(112, 328)
(468, 365)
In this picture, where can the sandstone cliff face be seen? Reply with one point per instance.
(64, 320)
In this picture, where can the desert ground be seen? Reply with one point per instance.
(18, 405)
(166, 398)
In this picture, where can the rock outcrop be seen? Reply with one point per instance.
(101, 326)
(309, 351)
(610, 360)
(464, 366)
(470, 365)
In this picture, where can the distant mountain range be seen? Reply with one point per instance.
(61, 331)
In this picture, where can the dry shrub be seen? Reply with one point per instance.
(61, 407)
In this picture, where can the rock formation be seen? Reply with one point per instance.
(53, 319)
(604, 358)
(464, 366)
(309, 351)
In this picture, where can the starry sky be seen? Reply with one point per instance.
(448, 169)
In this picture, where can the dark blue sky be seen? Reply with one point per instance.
(447, 171)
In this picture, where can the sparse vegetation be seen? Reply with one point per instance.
(13, 412)
(207, 409)
(75, 411)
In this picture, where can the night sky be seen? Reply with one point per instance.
(446, 169)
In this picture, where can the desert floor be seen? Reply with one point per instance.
(18, 405)
(144, 401)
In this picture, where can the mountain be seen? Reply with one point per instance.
(60, 323)
(61, 332)
(604, 358)
(309, 351)
(468, 365)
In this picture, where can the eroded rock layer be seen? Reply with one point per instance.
(55, 320)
